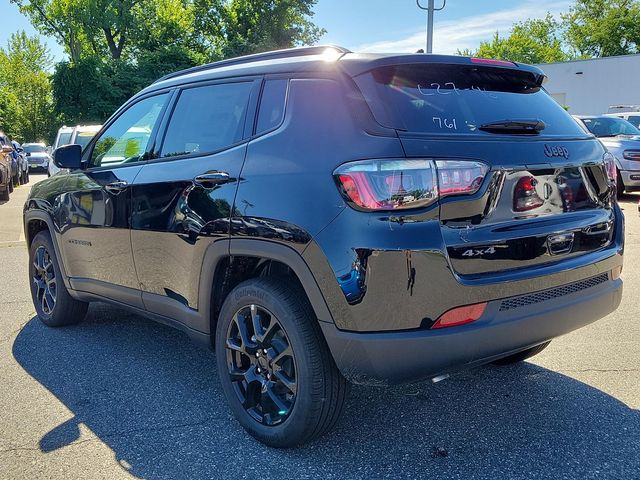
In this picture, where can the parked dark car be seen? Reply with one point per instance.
(6, 180)
(23, 164)
(322, 217)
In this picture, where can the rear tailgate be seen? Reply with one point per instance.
(546, 197)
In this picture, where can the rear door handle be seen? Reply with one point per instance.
(116, 187)
(212, 179)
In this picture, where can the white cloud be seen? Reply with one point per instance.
(467, 32)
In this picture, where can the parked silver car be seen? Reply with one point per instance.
(631, 117)
(622, 139)
(37, 156)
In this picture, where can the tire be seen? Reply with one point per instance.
(16, 180)
(10, 187)
(54, 306)
(523, 355)
(4, 193)
(314, 405)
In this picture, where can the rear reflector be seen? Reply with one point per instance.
(460, 316)
(616, 272)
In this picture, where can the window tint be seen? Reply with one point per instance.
(206, 119)
(458, 99)
(272, 104)
(127, 139)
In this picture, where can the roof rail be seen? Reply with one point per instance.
(256, 57)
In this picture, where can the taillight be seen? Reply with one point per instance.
(610, 166)
(631, 154)
(407, 183)
(460, 315)
(457, 177)
(525, 197)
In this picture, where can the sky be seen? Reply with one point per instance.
(383, 25)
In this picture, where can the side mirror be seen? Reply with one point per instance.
(7, 149)
(68, 156)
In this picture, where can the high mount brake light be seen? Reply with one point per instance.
(394, 184)
(492, 61)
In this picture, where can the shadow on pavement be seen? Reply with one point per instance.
(154, 399)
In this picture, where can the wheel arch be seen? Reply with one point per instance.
(36, 221)
(216, 284)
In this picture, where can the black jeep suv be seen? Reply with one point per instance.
(323, 217)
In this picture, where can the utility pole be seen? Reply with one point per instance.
(430, 8)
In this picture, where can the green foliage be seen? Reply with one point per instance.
(591, 28)
(117, 47)
(26, 101)
(259, 25)
(530, 41)
(601, 28)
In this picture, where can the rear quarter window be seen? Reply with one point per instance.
(458, 99)
(272, 105)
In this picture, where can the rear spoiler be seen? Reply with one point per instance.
(355, 64)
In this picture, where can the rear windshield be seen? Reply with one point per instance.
(609, 126)
(83, 138)
(63, 139)
(458, 99)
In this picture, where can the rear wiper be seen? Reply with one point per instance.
(516, 127)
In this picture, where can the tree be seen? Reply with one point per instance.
(26, 103)
(251, 26)
(601, 28)
(117, 47)
(530, 41)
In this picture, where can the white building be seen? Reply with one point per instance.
(590, 87)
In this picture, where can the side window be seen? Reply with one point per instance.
(207, 118)
(272, 105)
(127, 139)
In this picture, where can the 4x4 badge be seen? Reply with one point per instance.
(556, 151)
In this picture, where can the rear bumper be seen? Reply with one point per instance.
(400, 357)
(38, 164)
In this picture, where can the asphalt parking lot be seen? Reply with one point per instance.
(119, 396)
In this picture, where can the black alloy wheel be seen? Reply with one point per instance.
(261, 365)
(275, 367)
(44, 280)
(54, 305)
